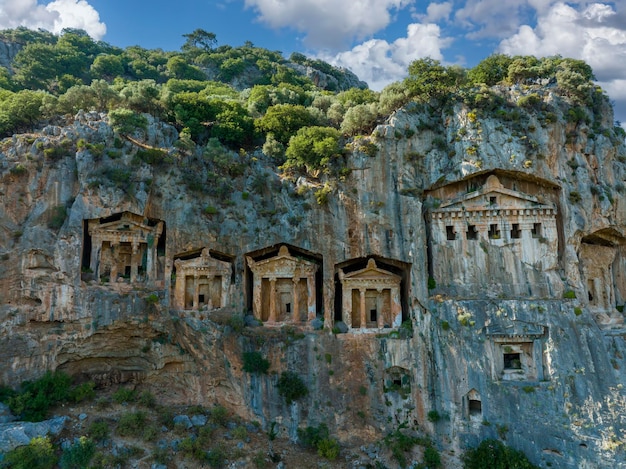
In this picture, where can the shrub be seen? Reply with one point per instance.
(78, 455)
(328, 448)
(312, 436)
(569, 295)
(98, 430)
(219, 415)
(432, 283)
(83, 392)
(399, 443)
(431, 457)
(39, 454)
(493, 454)
(35, 398)
(291, 386)
(254, 362)
(147, 399)
(434, 416)
(125, 395)
(132, 424)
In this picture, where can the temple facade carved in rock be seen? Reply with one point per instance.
(125, 249)
(493, 239)
(370, 298)
(202, 282)
(283, 288)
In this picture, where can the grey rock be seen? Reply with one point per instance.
(317, 324)
(341, 327)
(199, 420)
(183, 420)
(17, 434)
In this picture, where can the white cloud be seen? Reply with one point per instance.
(438, 11)
(589, 32)
(53, 16)
(328, 23)
(379, 63)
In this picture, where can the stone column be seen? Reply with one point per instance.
(224, 295)
(150, 260)
(295, 299)
(134, 265)
(380, 317)
(179, 288)
(196, 288)
(311, 297)
(94, 260)
(114, 265)
(396, 307)
(346, 305)
(272, 316)
(256, 297)
(362, 308)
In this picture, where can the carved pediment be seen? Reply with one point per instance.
(204, 263)
(282, 265)
(493, 196)
(371, 273)
(129, 224)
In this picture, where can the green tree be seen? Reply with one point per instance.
(284, 120)
(493, 454)
(199, 41)
(491, 70)
(430, 81)
(107, 67)
(177, 67)
(127, 121)
(313, 148)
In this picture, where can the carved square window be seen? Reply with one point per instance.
(494, 231)
(450, 233)
(536, 230)
(516, 233)
(472, 232)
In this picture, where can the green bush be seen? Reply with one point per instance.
(219, 415)
(125, 395)
(493, 454)
(291, 386)
(99, 430)
(399, 444)
(35, 398)
(254, 362)
(311, 436)
(569, 295)
(434, 416)
(328, 448)
(84, 391)
(39, 454)
(132, 424)
(432, 459)
(78, 455)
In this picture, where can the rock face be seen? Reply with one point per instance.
(487, 258)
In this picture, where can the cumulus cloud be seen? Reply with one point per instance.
(328, 23)
(53, 16)
(379, 62)
(589, 32)
(438, 11)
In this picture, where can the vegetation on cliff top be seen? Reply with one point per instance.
(248, 97)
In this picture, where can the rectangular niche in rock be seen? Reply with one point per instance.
(202, 281)
(125, 248)
(517, 351)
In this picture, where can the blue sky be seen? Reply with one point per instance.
(376, 39)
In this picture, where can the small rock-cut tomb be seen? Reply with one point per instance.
(201, 282)
(125, 248)
(370, 298)
(283, 288)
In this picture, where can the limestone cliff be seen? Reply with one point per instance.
(496, 240)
